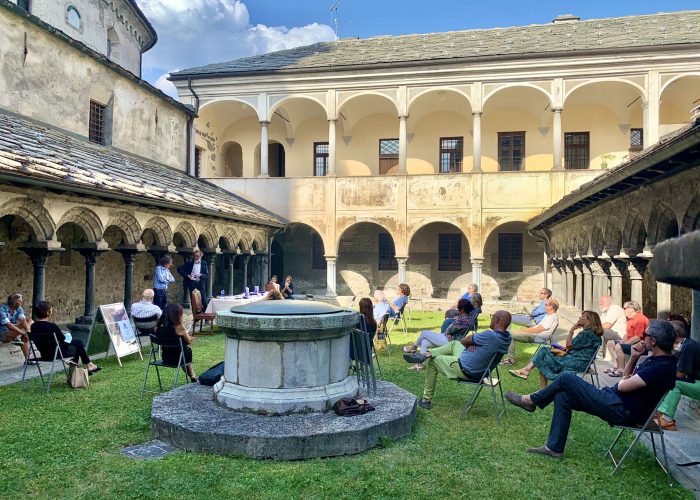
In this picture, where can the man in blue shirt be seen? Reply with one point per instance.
(14, 325)
(161, 279)
(537, 314)
(630, 402)
(466, 359)
(381, 306)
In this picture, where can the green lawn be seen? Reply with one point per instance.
(67, 444)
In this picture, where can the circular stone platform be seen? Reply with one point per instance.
(189, 419)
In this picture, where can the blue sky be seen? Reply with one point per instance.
(198, 32)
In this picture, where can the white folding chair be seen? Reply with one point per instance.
(592, 369)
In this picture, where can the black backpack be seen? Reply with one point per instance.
(212, 375)
(349, 407)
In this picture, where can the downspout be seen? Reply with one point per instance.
(190, 131)
(541, 235)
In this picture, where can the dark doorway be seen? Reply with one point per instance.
(277, 261)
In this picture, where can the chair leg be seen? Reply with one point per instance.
(619, 465)
(160, 384)
(471, 402)
(495, 407)
(663, 448)
(609, 451)
(145, 377)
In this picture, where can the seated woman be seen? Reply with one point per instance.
(461, 325)
(170, 327)
(451, 313)
(42, 331)
(369, 325)
(403, 291)
(579, 351)
(272, 284)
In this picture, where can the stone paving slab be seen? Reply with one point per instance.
(152, 450)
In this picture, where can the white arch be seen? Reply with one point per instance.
(641, 90)
(365, 93)
(675, 78)
(437, 89)
(219, 100)
(515, 85)
(440, 220)
(295, 96)
(369, 221)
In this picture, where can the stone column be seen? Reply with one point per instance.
(695, 325)
(331, 148)
(330, 276)
(601, 282)
(129, 256)
(231, 268)
(402, 268)
(38, 256)
(651, 109)
(587, 274)
(558, 281)
(617, 268)
(476, 142)
(246, 259)
(186, 254)
(210, 257)
(90, 256)
(578, 288)
(663, 300)
(477, 265)
(558, 140)
(636, 270)
(403, 144)
(570, 278)
(264, 172)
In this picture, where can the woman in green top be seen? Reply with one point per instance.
(579, 351)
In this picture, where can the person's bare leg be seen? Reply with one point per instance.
(610, 346)
(525, 370)
(543, 381)
(619, 362)
(190, 370)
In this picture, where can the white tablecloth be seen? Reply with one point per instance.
(226, 303)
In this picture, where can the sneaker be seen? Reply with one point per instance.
(415, 357)
(425, 403)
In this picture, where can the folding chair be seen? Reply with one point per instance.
(57, 354)
(383, 333)
(399, 318)
(512, 306)
(486, 379)
(592, 369)
(198, 314)
(363, 352)
(156, 344)
(650, 427)
(145, 327)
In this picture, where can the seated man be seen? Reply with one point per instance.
(537, 314)
(628, 403)
(614, 322)
(472, 290)
(14, 325)
(687, 376)
(636, 323)
(464, 360)
(146, 313)
(381, 306)
(538, 334)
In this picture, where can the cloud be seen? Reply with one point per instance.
(198, 32)
(166, 85)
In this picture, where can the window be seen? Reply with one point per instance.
(636, 139)
(388, 155)
(449, 252)
(320, 158)
(112, 43)
(451, 154)
(24, 4)
(511, 150)
(197, 162)
(97, 122)
(576, 150)
(318, 261)
(510, 253)
(73, 17)
(387, 253)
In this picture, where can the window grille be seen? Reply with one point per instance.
(576, 150)
(510, 253)
(320, 158)
(387, 253)
(511, 151)
(451, 153)
(449, 252)
(97, 122)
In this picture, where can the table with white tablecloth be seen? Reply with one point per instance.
(227, 302)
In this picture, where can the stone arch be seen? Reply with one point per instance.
(580, 85)
(34, 214)
(220, 100)
(515, 85)
(259, 243)
(327, 245)
(691, 216)
(612, 237)
(383, 223)
(230, 237)
(634, 234)
(437, 220)
(439, 89)
(161, 229)
(246, 241)
(662, 224)
(343, 104)
(189, 236)
(87, 220)
(128, 225)
(289, 97)
(210, 236)
(489, 229)
(597, 241)
(232, 152)
(676, 78)
(583, 242)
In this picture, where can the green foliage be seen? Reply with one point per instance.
(68, 445)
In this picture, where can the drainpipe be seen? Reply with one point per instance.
(190, 131)
(541, 235)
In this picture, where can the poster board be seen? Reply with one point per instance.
(113, 320)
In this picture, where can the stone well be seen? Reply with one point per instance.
(285, 357)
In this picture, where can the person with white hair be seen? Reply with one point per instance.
(381, 306)
(146, 308)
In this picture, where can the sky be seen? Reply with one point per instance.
(198, 32)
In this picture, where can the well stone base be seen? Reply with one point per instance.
(189, 418)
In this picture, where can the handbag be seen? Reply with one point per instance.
(78, 377)
(350, 407)
(558, 352)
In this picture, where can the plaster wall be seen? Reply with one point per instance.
(55, 73)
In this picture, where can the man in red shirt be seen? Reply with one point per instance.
(637, 323)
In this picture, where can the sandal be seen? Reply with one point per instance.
(416, 368)
(409, 349)
(516, 374)
(508, 362)
(610, 370)
(615, 373)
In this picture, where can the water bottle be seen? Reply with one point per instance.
(221, 295)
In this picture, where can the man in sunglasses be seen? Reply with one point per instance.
(630, 402)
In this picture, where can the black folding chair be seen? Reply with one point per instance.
(383, 333)
(399, 318)
(362, 362)
(145, 327)
(487, 379)
(650, 427)
(33, 357)
(592, 369)
(156, 345)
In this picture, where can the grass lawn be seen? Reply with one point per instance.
(67, 444)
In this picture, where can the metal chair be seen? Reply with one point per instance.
(198, 314)
(383, 333)
(487, 379)
(145, 327)
(156, 344)
(362, 357)
(399, 318)
(592, 369)
(33, 357)
(650, 427)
